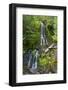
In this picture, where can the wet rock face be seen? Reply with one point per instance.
(25, 59)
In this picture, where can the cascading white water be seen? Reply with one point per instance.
(34, 66)
(30, 58)
(43, 36)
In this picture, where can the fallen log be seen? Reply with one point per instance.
(51, 46)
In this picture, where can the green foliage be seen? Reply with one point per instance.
(31, 30)
(31, 40)
(47, 62)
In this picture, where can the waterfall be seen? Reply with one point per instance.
(29, 58)
(35, 58)
(32, 64)
(43, 35)
(33, 55)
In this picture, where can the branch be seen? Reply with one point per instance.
(46, 50)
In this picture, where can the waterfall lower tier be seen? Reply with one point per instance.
(32, 62)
